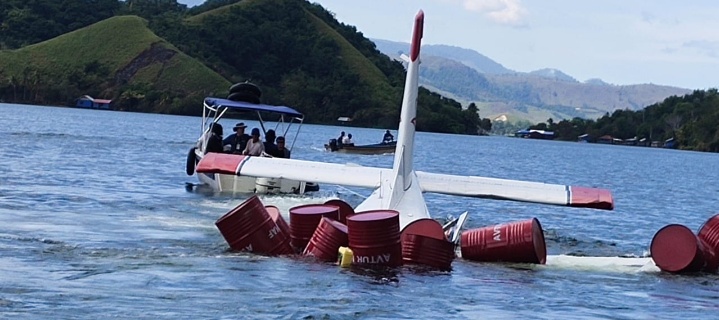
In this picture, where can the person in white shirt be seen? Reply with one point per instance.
(254, 147)
(347, 141)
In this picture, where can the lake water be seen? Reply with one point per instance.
(95, 222)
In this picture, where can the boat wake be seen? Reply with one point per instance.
(601, 264)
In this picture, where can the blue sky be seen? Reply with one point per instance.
(619, 41)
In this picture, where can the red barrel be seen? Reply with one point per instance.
(676, 249)
(419, 249)
(520, 241)
(279, 220)
(248, 227)
(374, 238)
(329, 236)
(426, 227)
(709, 238)
(424, 242)
(346, 209)
(304, 220)
(276, 216)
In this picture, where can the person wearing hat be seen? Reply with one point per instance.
(254, 147)
(237, 142)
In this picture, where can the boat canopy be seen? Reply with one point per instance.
(246, 106)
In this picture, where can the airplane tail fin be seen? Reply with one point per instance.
(403, 167)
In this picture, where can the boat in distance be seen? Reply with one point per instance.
(377, 148)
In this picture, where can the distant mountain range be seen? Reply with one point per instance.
(468, 76)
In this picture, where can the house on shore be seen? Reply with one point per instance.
(89, 102)
(585, 138)
(535, 134)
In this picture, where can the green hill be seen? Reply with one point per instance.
(171, 58)
(116, 55)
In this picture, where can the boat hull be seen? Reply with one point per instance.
(379, 148)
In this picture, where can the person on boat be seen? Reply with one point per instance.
(269, 143)
(214, 142)
(254, 147)
(281, 151)
(388, 137)
(348, 140)
(340, 140)
(237, 142)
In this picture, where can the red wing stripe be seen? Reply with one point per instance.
(591, 198)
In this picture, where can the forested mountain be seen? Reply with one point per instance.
(172, 56)
(468, 76)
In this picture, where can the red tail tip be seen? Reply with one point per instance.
(417, 35)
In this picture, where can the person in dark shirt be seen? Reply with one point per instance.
(214, 142)
(281, 151)
(340, 140)
(270, 147)
(237, 142)
(388, 137)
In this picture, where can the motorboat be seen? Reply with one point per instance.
(377, 148)
(243, 99)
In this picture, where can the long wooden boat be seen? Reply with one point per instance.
(377, 148)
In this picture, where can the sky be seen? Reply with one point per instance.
(664, 42)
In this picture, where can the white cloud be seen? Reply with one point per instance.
(508, 12)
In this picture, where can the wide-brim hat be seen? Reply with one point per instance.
(238, 126)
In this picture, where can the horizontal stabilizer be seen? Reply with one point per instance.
(502, 189)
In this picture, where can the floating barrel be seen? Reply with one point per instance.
(521, 241)
(419, 249)
(329, 236)
(304, 220)
(279, 220)
(276, 216)
(249, 227)
(346, 209)
(426, 227)
(424, 242)
(709, 238)
(676, 249)
(374, 238)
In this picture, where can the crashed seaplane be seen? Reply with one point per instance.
(401, 188)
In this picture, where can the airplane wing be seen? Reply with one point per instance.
(370, 177)
(502, 189)
(301, 170)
